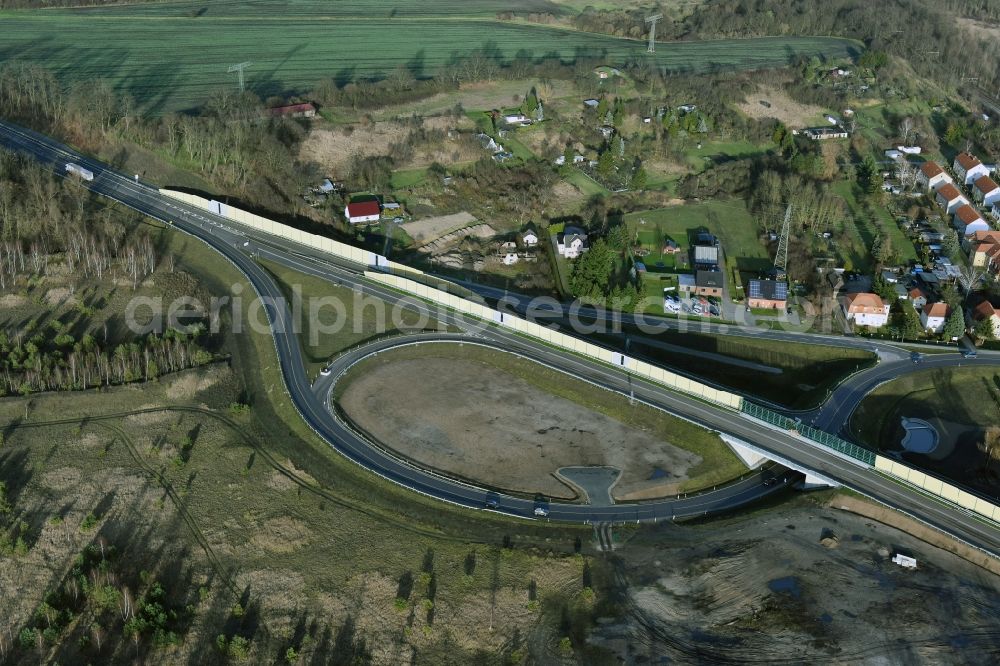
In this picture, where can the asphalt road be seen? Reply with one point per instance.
(237, 247)
(834, 415)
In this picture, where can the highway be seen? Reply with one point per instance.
(225, 237)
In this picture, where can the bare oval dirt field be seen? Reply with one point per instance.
(475, 420)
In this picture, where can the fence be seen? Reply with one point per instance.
(268, 226)
(557, 339)
(819, 436)
(939, 488)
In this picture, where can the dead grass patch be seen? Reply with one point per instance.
(784, 108)
(431, 228)
(281, 535)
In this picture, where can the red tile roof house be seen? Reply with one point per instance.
(968, 221)
(985, 310)
(362, 211)
(968, 168)
(917, 298)
(305, 110)
(985, 250)
(934, 315)
(865, 309)
(949, 198)
(985, 191)
(932, 176)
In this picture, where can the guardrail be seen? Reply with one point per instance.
(819, 436)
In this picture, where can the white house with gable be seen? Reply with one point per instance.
(572, 242)
(968, 168)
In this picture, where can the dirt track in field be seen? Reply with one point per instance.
(477, 421)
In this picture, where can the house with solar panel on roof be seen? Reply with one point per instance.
(767, 294)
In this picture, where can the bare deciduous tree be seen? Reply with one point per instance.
(906, 130)
(906, 174)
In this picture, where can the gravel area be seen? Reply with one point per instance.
(476, 421)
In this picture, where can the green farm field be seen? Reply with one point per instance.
(174, 56)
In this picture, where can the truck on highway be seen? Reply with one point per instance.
(81, 172)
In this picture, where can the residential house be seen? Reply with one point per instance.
(902, 293)
(708, 283)
(985, 310)
(931, 176)
(985, 191)
(984, 250)
(686, 283)
(949, 198)
(508, 253)
(670, 247)
(865, 309)
(767, 294)
(591, 103)
(934, 315)
(360, 212)
(918, 299)
(529, 237)
(968, 221)
(572, 242)
(607, 131)
(968, 168)
(305, 110)
(706, 256)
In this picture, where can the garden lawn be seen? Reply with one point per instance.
(717, 151)
(583, 182)
(729, 220)
(870, 222)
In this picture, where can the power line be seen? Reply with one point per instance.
(781, 257)
(652, 32)
(239, 71)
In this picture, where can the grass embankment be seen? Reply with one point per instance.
(966, 395)
(336, 318)
(718, 465)
(959, 402)
(292, 45)
(807, 371)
